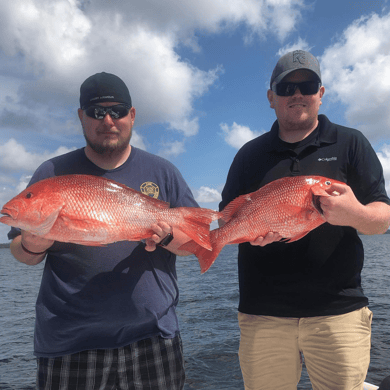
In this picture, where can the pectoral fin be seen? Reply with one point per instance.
(82, 225)
(47, 224)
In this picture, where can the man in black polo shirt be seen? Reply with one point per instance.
(306, 297)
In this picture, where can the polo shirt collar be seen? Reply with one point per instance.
(327, 134)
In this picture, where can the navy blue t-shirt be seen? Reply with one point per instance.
(108, 297)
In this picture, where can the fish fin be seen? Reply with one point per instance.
(196, 224)
(44, 228)
(158, 203)
(205, 257)
(82, 225)
(161, 204)
(239, 240)
(234, 205)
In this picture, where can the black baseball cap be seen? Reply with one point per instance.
(294, 60)
(103, 87)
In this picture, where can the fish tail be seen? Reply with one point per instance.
(196, 224)
(205, 257)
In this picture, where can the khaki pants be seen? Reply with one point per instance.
(336, 350)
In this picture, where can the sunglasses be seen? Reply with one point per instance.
(288, 89)
(99, 112)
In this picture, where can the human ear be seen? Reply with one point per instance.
(322, 91)
(80, 114)
(270, 96)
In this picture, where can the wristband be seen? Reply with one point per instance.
(166, 240)
(31, 253)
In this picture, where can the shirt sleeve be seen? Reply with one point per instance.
(366, 174)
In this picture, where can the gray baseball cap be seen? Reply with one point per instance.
(294, 60)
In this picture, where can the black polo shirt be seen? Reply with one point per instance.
(319, 274)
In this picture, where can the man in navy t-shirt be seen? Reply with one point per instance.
(105, 316)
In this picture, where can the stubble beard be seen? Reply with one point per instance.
(108, 149)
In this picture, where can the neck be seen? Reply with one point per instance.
(107, 161)
(292, 133)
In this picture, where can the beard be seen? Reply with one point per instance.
(108, 149)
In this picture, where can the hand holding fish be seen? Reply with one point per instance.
(35, 243)
(161, 230)
(267, 239)
(29, 248)
(342, 208)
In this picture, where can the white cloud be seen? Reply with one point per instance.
(172, 149)
(58, 43)
(15, 157)
(49, 33)
(238, 135)
(137, 140)
(207, 195)
(284, 15)
(384, 158)
(356, 72)
(300, 44)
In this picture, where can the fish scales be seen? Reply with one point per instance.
(91, 210)
(286, 206)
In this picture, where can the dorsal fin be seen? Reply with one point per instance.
(235, 205)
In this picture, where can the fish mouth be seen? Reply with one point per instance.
(317, 203)
(8, 214)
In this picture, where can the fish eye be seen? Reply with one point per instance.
(328, 183)
(29, 195)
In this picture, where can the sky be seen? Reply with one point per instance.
(198, 74)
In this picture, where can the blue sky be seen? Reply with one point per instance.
(197, 72)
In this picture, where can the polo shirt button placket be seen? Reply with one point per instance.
(295, 169)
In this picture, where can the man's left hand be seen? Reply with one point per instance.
(341, 207)
(161, 230)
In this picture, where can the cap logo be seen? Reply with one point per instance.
(101, 97)
(299, 56)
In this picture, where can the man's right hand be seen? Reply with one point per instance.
(35, 243)
(34, 250)
(267, 239)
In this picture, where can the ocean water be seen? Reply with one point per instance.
(207, 313)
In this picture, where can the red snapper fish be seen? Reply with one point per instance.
(288, 206)
(94, 211)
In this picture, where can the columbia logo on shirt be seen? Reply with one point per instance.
(328, 159)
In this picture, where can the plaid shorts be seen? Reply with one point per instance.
(152, 364)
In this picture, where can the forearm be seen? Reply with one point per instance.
(373, 218)
(24, 257)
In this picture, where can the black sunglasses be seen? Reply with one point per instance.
(288, 89)
(116, 112)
